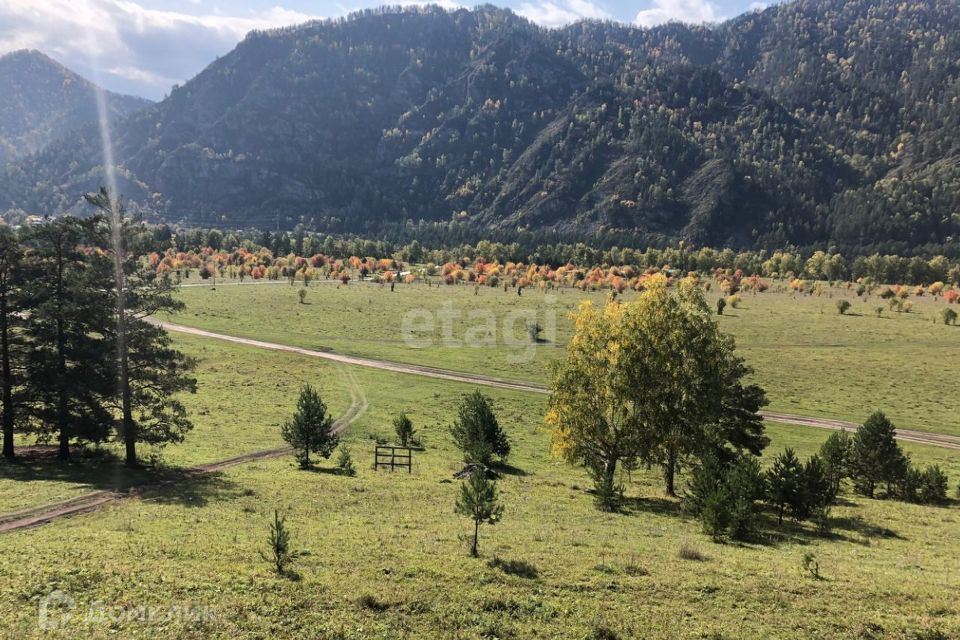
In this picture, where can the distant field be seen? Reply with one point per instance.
(810, 359)
(567, 570)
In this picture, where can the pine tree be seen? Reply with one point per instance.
(149, 372)
(311, 429)
(785, 484)
(11, 255)
(66, 304)
(281, 554)
(876, 457)
(479, 501)
(477, 433)
(818, 492)
(403, 427)
(836, 454)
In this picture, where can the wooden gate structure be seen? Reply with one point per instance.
(386, 457)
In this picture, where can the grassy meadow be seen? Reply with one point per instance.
(385, 555)
(810, 359)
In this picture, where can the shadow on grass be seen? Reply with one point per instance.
(647, 504)
(771, 533)
(503, 468)
(194, 490)
(865, 529)
(518, 568)
(328, 471)
(95, 468)
(100, 470)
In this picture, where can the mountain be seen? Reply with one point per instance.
(812, 122)
(43, 100)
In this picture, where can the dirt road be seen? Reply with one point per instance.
(907, 435)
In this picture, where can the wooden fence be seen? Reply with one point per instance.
(385, 457)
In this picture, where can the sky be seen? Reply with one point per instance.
(144, 47)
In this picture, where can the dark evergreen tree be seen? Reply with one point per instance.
(785, 485)
(403, 427)
(69, 369)
(818, 492)
(477, 433)
(876, 457)
(479, 501)
(149, 371)
(11, 317)
(311, 428)
(836, 453)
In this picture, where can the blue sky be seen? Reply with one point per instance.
(144, 47)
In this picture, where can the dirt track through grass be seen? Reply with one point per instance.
(93, 501)
(908, 435)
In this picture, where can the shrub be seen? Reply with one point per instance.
(715, 513)
(723, 496)
(818, 493)
(607, 493)
(843, 306)
(908, 486)
(949, 316)
(689, 551)
(479, 501)
(302, 293)
(811, 565)
(372, 603)
(403, 427)
(345, 461)
(721, 304)
(733, 301)
(933, 486)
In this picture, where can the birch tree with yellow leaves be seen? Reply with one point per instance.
(653, 380)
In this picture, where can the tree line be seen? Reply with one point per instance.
(419, 245)
(79, 360)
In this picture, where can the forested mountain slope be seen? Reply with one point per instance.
(810, 122)
(40, 101)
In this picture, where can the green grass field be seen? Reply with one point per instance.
(811, 360)
(555, 567)
(384, 554)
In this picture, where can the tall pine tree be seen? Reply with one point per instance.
(66, 307)
(148, 370)
(11, 255)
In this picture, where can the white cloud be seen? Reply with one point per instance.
(139, 49)
(689, 11)
(758, 6)
(561, 12)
